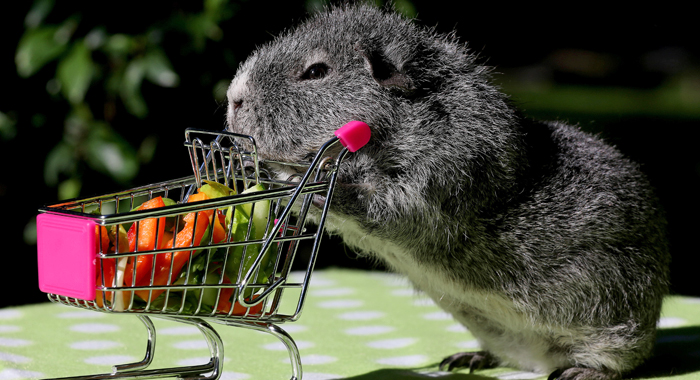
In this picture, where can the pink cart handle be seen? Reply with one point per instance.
(354, 135)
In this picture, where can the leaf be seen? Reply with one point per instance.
(75, 72)
(147, 149)
(119, 45)
(130, 88)
(109, 153)
(7, 127)
(38, 13)
(61, 159)
(159, 70)
(406, 8)
(36, 48)
(69, 189)
(215, 6)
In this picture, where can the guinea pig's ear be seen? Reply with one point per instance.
(385, 72)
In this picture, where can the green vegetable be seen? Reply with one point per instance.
(238, 259)
(196, 276)
(215, 190)
(240, 222)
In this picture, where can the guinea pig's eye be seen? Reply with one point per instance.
(316, 71)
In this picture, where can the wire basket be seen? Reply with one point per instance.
(217, 246)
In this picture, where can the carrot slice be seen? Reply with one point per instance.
(149, 230)
(184, 238)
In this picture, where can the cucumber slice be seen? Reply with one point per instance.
(240, 218)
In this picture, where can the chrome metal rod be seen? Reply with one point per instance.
(209, 371)
(281, 218)
(150, 350)
(280, 334)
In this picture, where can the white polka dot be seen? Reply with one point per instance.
(10, 314)
(225, 375)
(279, 346)
(317, 359)
(179, 330)
(110, 359)
(671, 322)
(423, 302)
(9, 328)
(468, 345)
(369, 330)
(94, 328)
(199, 344)
(438, 316)
(340, 304)
(410, 360)
(13, 358)
(361, 315)
(17, 374)
(321, 376)
(390, 279)
(456, 328)
(316, 280)
(407, 292)
(332, 292)
(389, 344)
(519, 375)
(80, 314)
(434, 374)
(94, 345)
(13, 342)
(295, 328)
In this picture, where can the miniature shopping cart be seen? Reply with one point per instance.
(218, 246)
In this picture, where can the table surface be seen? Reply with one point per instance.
(356, 324)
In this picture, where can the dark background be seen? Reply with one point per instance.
(634, 79)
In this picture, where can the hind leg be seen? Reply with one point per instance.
(580, 373)
(473, 360)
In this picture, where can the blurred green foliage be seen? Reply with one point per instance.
(110, 67)
(97, 71)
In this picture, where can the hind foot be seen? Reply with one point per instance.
(473, 360)
(580, 373)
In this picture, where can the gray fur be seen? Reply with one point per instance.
(546, 243)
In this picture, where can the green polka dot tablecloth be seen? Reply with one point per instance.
(356, 324)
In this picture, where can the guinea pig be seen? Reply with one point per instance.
(545, 242)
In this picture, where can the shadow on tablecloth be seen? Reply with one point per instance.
(677, 352)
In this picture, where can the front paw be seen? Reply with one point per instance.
(580, 373)
(473, 360)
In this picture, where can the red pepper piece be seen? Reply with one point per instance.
(184, 238)
(149, 231)
(239, 309)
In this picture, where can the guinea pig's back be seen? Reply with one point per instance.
(590, 226)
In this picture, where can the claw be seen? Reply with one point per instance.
(473, 360)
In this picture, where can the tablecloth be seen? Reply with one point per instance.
(356, 324)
